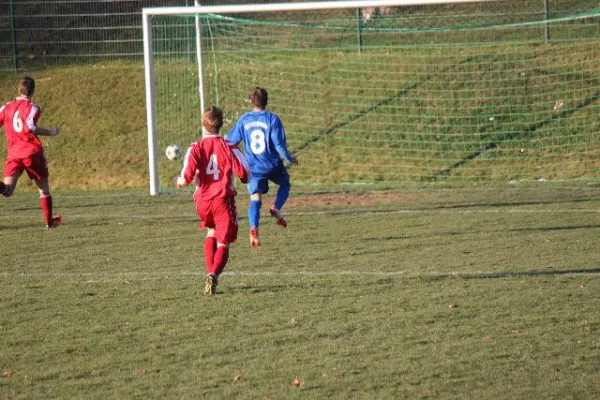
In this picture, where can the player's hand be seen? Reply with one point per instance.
(293, 161)
(181, 183)
(54, 131)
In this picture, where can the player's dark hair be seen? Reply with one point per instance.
(26, 86)
(212, 119)
(259, 98)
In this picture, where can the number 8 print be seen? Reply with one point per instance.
(257, 142)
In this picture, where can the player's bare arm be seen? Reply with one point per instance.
(39, 131)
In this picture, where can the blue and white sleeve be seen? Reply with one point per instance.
(279, 139)
(236, 133)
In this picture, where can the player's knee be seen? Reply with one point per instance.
(8, 190)
(44, 193)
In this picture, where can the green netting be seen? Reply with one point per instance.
(438, 93)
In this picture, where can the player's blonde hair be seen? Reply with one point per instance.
(212, 119)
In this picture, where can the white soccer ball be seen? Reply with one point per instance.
(173, 152)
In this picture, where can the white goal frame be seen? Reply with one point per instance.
(148, 13)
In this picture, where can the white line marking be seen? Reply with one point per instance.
(129, 216)
(90, 277)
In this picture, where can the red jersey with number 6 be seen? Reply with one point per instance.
(20, 118)
(212, 162)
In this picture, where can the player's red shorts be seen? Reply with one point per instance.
(219, 214)
(35, 166)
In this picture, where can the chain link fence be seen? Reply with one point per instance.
(39, 33)
(34, 34)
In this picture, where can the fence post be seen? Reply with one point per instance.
(359, 30)
(13, 35)
(188, 31)
(547, 26)
(199, 58)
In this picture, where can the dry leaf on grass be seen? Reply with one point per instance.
(236, 377)
(298, 383)
(7, 374)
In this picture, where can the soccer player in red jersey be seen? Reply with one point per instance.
(211, 162)
(24, 148)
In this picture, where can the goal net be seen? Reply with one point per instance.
(390, 93)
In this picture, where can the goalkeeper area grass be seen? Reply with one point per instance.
(445, 293)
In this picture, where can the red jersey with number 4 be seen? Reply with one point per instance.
(212, 163)
(20, 118)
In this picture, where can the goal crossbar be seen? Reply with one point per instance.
(323, 5)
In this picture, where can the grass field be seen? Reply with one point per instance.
(464, 263)
(432, 292)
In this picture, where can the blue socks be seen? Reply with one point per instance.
(254, 213)
(282, 195)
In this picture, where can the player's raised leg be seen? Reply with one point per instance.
(10, 183)
(283, 193)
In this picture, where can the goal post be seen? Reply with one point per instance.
(403, 91)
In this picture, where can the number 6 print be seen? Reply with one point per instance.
(17, 123)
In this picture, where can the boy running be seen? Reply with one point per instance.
(265, 146)
(211, 163)
(25, 151)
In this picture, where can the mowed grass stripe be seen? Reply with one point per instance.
(356, 300)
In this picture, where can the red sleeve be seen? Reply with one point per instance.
(190, 165)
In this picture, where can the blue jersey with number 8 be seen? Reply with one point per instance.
(264, 140)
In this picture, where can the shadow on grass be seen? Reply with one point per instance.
(511, 274)
(555, 228)
(513, 204)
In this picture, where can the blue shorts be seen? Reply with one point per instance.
(260, 183)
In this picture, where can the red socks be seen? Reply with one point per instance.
(215, 257)
(221, 259)
(46, 203)
(210, 248)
